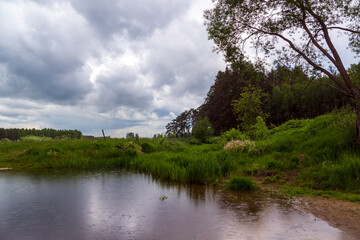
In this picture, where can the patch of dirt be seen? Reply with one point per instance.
(339, 214)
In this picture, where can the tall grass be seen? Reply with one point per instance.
(318, 152)
(202, 164)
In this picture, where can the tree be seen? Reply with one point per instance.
(296, 31)
(130, 135)
(249, 106)
(181, 126)
(228, 87)
(202, 130)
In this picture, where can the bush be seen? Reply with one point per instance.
(233, 134)
(194, 141)
(240, 183)
(147, 148)
(259, 130)
(202, 130)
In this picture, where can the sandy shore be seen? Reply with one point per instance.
(339, 214)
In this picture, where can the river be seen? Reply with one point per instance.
(126, 205)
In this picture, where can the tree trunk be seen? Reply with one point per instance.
(357, 125)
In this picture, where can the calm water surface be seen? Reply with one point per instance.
(123, 205)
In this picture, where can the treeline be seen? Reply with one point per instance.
(285, 94)
(17, 133)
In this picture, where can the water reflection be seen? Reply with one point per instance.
(123, 205)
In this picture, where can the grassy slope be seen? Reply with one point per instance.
(307, 156)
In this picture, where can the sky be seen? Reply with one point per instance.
(118, 65)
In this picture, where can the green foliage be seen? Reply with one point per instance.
(302, 191)
(228, 86)
(240, 183)
(272, 179)
(34, 139)
(249, 106)
(232, 134)
(318, 153)
(202, 130)
(147, 147)
(16, 133)
(235, 24)
(194, 141)
(354, 74)
(181, 126)
(259, 130)
(131, 135)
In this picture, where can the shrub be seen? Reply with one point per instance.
(194, 141)
(131, 153)
(240, 183)
(147, 148)
(202, 130)
(259, 130)
(233, 134)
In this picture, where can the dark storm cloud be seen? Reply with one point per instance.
(115, 64)
(136, 19)
(43, 55)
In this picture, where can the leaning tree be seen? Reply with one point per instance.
(306, 32)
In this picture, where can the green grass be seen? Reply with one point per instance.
(301, 191)
(173, 160)
(316, 154)
(240, 183)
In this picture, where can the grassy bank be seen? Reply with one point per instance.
(316, 156)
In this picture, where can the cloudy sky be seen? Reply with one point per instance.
(117, 65)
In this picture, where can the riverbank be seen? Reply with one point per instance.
(306, 157)
(340, 214)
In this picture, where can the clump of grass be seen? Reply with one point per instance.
(272, 179)
(240, 183)
(34, 139)
(147, 148)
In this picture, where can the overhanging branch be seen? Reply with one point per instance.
(303, 55)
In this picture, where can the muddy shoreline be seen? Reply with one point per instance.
(342, 215)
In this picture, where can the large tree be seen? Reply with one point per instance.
(182, 125)
(298, 32)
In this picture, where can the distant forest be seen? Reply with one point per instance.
(285, 94)
(16, 133)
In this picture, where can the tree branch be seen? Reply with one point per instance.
(314, 41)
(339, 64)
(344, 29)
(302, 54)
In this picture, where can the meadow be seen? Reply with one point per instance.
(303, 157)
